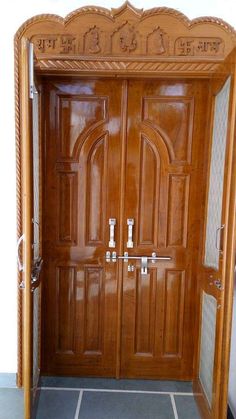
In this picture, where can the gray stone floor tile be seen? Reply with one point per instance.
(57, 404)
(122, 384)
(11, 403)
(105, 405)
(186, 407)
(7, 380)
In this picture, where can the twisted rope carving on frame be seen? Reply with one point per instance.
(19, 208)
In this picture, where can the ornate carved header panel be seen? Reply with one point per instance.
(128, 39)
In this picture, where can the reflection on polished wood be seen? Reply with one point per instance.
(152, 122)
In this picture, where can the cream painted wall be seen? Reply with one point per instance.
(14, 13)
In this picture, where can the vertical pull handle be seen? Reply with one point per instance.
(20, 265)
(130, 223)
(218, 238)
(112, 223)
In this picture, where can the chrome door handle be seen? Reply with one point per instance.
(112, 223)
(218, 238)
(130, 223)
(19, 263)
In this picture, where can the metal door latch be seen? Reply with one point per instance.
(144, 260)
(144, 265)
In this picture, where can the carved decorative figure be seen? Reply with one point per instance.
(128, 40)
(157, 42)
(92, 41)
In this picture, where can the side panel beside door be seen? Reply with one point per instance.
(216, 269)
(27, 223)
(31, 202)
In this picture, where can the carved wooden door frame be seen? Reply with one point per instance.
(124, 42)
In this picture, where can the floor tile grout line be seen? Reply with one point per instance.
(174, 393)
(78, 404)
(174, 406)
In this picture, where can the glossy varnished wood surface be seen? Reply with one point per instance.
(82, 168)
(121, 149)
(166, 120)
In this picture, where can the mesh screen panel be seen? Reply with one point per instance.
(207, 346)
(217, 165)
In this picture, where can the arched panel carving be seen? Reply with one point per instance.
(150, 172)
(77, 117)
(160, 143)
(95, 192)
(173, 118)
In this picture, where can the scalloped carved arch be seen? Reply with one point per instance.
(127, 39)
(117, 12)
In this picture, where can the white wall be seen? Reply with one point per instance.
(14, 13)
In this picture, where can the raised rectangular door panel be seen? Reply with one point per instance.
(67, 204)
(65, 308)
(93, 310)
(177, 217)
(174, 312)
(82, 160)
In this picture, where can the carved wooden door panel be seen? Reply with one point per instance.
(82, 194)
(164, 124)
(129, 151)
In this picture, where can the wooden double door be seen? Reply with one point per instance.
(122, 173)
